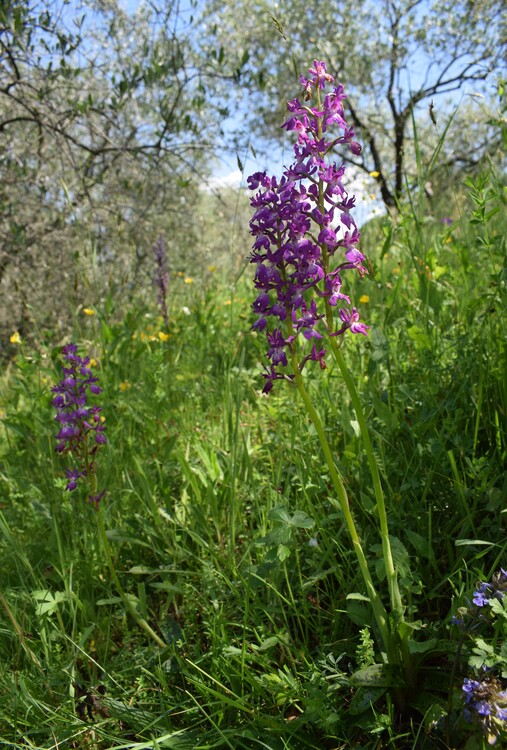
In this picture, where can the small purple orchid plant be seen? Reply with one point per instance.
(81, 434)
(161, 277)
(306, 240)
(81, 431)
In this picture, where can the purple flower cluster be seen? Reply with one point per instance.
(486, 702)
(81, 429)
(478, 611)
(300, 224)
(494, 590)
(161, 279)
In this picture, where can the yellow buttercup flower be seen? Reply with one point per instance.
(88, 311)
(15, 338)
(164, 336)
(364, 299)
(189, 280)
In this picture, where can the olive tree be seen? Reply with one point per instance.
(102, 140)
(399, 60)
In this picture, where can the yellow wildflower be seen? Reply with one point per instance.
(88, 311)
(15, 338)
(364, 299)
(189, 280)
(164, 336)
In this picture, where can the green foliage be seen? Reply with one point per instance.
(220, 519)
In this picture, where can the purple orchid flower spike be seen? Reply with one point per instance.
(82, 430)
(305, 234)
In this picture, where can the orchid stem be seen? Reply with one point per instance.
(375, 600)
(129, 606)
(392, 578)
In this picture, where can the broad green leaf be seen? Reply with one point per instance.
(376, 675)
(420, 338)
(364, 698)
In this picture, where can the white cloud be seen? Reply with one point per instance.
(355, 182)
(229, 180)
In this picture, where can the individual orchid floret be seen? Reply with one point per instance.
(72, 478)
(270, 375)
(95, 499)
(320, 74)
(351, 323)
(316, 355)
(277, 354)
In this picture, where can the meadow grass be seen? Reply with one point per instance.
(219, 520)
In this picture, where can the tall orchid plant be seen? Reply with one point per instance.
(305, 240)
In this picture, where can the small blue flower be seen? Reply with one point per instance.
(486, 703)
(482, 595)
(494, 590)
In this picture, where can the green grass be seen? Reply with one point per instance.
(219, 518)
